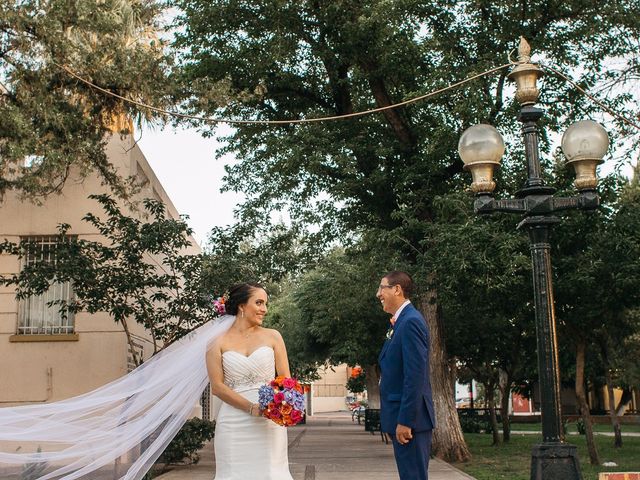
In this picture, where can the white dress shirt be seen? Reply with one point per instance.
(399, 311)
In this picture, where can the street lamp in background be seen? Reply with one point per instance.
(584, 144)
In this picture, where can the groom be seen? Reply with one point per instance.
(406, 411)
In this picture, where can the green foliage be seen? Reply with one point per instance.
(580, 426)
(329, 314)
(382, 171)
(271, 256)
(116, 275)
(51, 120)
(190, 439)
(393, 181)
(597, 277)
(474, 423)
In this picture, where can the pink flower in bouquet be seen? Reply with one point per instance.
(296, 416)
(278, 398)
(289, 383)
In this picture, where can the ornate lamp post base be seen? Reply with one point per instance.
(555, 461)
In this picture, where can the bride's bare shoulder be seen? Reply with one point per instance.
(216, 346)
(273, 334)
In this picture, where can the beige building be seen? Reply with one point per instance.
(329, 394)
(44, 357)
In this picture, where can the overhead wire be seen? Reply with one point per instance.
(347, 115)
(281, 122)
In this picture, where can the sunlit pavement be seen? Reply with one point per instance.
(329, 447)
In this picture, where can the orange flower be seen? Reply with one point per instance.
(286, 409)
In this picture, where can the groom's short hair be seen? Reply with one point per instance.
(403, 279)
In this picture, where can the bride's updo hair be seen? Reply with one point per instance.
(239, 295)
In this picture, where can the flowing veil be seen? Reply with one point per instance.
(117, 431)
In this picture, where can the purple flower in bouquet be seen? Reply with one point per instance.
(265, 396)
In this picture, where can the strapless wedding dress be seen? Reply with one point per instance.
(246, 447)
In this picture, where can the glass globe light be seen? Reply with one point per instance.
(584, 144)
(481, 147)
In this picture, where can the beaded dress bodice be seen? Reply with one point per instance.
(242, 372)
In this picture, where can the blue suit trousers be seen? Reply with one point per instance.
(412, 458)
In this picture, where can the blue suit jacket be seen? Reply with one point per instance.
(405, 385)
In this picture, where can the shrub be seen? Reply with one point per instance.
(357, 384)
(472, 422)
(185, 445)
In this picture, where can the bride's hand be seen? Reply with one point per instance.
(255, 410)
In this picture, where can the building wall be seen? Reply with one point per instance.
(42, 368)
(329, 393)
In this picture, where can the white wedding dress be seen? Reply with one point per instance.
(246, 447)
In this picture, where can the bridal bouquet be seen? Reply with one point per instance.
(282, 401)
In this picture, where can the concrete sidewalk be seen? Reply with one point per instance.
(329, 447)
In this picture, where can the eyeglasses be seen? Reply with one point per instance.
(380, 287)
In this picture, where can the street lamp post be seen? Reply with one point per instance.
(584, 144)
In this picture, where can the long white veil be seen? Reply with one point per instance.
(117, 431)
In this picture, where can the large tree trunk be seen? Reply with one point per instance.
(615, 421)
(490, 393)
(373, 385)
(594, 458)
(505, 392)
(448, 440)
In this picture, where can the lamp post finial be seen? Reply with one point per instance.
(524, 51)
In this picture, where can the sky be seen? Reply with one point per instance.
(185, 164)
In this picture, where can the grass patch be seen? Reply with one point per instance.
(513, 460)
(572, 428)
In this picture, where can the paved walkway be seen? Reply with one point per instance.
(329, 447)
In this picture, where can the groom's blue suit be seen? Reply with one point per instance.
(405, 392)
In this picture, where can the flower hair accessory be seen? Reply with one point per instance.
(219, 305)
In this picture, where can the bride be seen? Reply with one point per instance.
(247, 446)
(118, 431)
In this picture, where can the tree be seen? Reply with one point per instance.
(381, 173)
(482, 272)
(591, 251)
(331, 314)
(51, 123)
(272, 255)
(116, 275)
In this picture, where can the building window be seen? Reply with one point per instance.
(35, 317)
